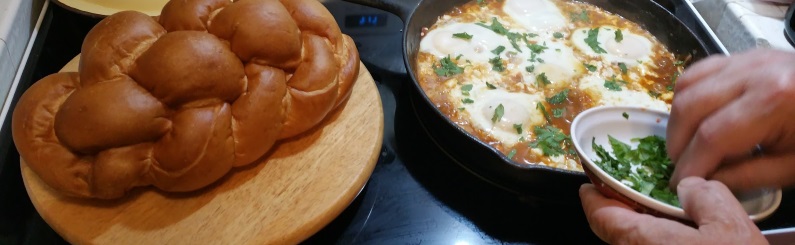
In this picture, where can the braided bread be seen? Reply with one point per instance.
(178, 100)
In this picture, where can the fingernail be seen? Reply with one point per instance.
(689, 182)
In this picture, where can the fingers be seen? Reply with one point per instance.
(716, 211)
(616, 223)
(703, 89)
(767, 171)
(717, 138)
(700, 70)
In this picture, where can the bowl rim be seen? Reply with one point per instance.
(646, 201)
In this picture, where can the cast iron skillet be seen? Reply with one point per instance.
(536, 181)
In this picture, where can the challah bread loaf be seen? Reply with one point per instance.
(177, 101)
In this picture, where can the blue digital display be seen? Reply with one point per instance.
(365, 20)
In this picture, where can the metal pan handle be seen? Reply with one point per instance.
(401, 8)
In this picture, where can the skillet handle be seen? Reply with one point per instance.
(401, 8)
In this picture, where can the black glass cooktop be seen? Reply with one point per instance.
(416, 194)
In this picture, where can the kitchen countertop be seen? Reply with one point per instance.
(746, 24)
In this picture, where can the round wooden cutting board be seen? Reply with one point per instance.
(302, 185)
(101, 8)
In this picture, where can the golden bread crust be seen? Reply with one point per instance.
(178, 100)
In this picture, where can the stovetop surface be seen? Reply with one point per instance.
(416, 194)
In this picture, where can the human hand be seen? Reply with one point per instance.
(723, 107)
(717, 213)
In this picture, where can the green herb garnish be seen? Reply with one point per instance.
(559, 97)
(490, 86)
(465, 89)
(536, 49)
(530, 69)
(619, 35)
(511, 154)
(557, 35)
(582, 16)
(645, 169)
(591, 68)
(514, 37)
(558, 112)
(463, 35)
(625, 115)
(593, 43)
(495, 26)
(612, 85)
(498, 113)
(550, 140)
(496, 64)
(541, 79)
(543, 110)
(467, 101)
(622, 67)
(518, 128)
(447, 67)
(498, 50)
(654, 94)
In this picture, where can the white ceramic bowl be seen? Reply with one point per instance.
(599, 122)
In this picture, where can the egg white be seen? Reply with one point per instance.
(519, 108)
(440, 42)
(632, 50)
(535, 15)
(557, 62)
(594, 86)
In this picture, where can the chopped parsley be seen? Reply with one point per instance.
(498, 113)
(495, 26)
(514, 38)
(490, 86)
(593, 43)
(530, 69)
(465, 89)
(673, 81)
(518, 128)
(622, 67)
(654, 94)
(581, 16)
(619, 36)
(467, 101)
(591, 68)
(463, 35)
(540, 60)
(645, 169)
(679, 62)
(612, 85)
(498, 50)
(559, 97)
(496, 64)
(536, 49)
(541, 79)
(543, 110)
(625, 115)
(557, 35)
(511, 154)
(558, 112)
(550, 140)
(448, 68)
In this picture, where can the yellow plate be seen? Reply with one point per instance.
(300, 187)
(101, 8)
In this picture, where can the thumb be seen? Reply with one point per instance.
(713, 207)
